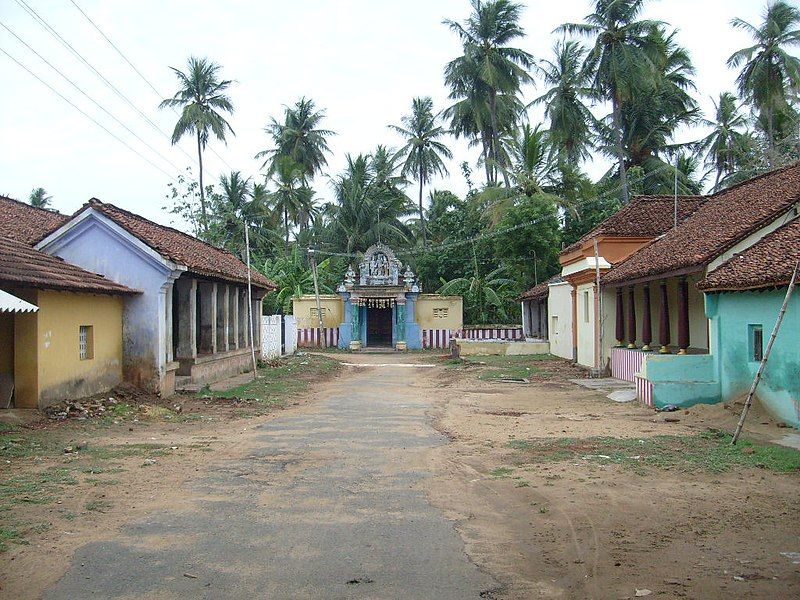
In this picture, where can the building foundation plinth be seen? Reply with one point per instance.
(355, 345)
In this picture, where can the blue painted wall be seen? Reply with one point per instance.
(732, 315)
(413, 332)
(100, 248)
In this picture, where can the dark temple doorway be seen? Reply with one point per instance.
(379, 327)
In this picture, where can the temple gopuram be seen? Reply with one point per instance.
(379, 306)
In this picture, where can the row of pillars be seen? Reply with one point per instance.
(212, 317)
(664, 323)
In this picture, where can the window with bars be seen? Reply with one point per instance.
(756, 342)
(86, 342)
(440, 313)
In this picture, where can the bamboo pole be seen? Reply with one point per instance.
(764, 358)
(250, 301)
(320, 337)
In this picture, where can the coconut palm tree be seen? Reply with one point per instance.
(619, 61)
(722, 145)
(202, 99)
(39, 198)
(570, 119)
(299, 137)
(489, 67)
(769, 75)
(291, 194)
(423, 152)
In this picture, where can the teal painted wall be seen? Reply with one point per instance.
(682, 380)
(732, 315)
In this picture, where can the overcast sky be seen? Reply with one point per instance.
(360, 60)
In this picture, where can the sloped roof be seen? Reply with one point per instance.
(23, 222)
(541, 290)
(643, 216)
(23, 266)
(198, 256)
(769, 262)
(724, 219)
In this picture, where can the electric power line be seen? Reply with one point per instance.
(47, 27)
(135, 70)
(100, 125)
(101, 107)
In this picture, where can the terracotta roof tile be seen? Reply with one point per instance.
(644, 216)
(22, 265)
(26, 223)
(198, 256)
(724, 219)
(541, 290)
(769, 262)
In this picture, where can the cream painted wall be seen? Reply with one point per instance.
(559, 314)
(62, 373)
(424, 312)
(586, 324)
(26, 373)
(304, 309)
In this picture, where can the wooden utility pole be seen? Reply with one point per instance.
(320, 337)
(250, 301)
(764, 358)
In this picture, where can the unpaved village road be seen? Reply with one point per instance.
(326, 504)
(396, 478)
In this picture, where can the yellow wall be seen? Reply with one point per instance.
(425, 314)
(26, 374)
(6, 342)
(304, 309)
(62, 374)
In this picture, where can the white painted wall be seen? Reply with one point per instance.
(559, 308)
(586, 324)
(270, 336)
(290, 334)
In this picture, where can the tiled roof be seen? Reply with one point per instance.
(769, 262)
(724, 219)
(198, 256)
(26, 223)
(23, 266)
(541, 290)
(644, 216)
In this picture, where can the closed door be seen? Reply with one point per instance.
(379, 327)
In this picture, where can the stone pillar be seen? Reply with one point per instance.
(233, 332)
(663, 325)
(187, 317)
(222, 317)
(168, 322)
(647, 326)
(683, 315)
(574, 295)
(257, 310)
(355, 340)
(631, 318)
(401, 326)
(244, 334)
(208, 317)
(620, 329)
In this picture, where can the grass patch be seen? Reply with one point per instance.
(98, 505)
(35, 488)
(491, 367)
(7, 427)
(709, 451)
(8, 534)
(17, 444)
(126, 450)
(281, 380)
(501, 472)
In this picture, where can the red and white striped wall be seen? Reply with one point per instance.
(625, 363)
(644, 390)
(491, 333)
(436, 338)
(309, 337)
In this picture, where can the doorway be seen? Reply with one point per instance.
(379, 327)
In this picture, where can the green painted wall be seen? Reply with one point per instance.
(731, 316)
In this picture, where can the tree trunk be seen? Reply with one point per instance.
(623, 173)
(203, 213)
(286, 228)
(498, 162)
(770, 139)
(487, 160)
(421, 213)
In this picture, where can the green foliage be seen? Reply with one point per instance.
(39, 198)
(294, 277)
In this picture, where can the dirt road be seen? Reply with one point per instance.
(410, 477)
(325, 503)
